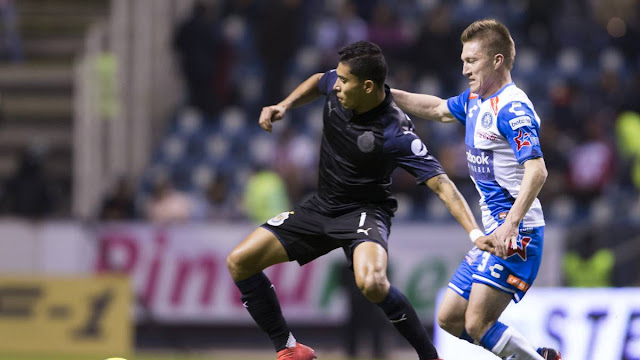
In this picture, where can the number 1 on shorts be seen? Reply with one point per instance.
(363, 215)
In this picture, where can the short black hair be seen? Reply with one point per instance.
(365, 60)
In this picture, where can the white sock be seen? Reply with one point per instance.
(513, 343)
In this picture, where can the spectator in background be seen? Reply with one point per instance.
(265, 195)
(168, 205)
(388, 32)
(10, 44)
(119, 204)
(216, 202)
(295, 159)
(552, 142)
(204, 59)
(277, 30)
(437, 31)
(29, 192)
(587, 263)
(627, 134)
(340, 28)
(591, 168)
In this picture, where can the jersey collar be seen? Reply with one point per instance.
(376, 110)
(496, 93)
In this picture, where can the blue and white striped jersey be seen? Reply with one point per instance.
(501, 134)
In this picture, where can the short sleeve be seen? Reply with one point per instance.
(327, 81)
(412, 155)
(458, 106)
(518, 124)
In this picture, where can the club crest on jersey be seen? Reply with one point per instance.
(487, 120)
(521, 250)
(366, 142)
(522, 139)
(279, 219)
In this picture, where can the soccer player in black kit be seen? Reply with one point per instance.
(365, 137)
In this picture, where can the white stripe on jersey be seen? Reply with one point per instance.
(493, 166)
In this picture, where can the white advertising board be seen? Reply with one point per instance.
(179, 273)
(585, 324)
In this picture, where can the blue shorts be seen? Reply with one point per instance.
(513, 275)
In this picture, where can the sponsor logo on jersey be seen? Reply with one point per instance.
(473, 96)
(418, 147)
(471, 111)
(494, 105)
(526, 230)
(487, 135)
(521, 249)
(487, 120)
(522, 139)
(480, 163)
(519, 122)
(519, 283)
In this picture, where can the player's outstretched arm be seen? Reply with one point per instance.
(535, 174)
(303, 94)
(424, 106)
(459, 208)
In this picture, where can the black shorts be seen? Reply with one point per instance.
(307, 233)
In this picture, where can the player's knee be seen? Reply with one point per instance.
(236, 266)
(375, 286)
(449, 323)
(476, 326)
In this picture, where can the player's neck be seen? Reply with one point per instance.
(371, 102)
(496, 85)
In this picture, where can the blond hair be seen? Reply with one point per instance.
(495, 36)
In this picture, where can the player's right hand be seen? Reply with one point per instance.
(270, 114)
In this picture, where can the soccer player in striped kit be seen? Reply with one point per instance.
(506, 164)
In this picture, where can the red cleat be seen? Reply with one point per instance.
(298, 352)
(550, 354)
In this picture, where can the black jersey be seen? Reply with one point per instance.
(360, 151)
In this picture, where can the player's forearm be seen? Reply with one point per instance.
(304, 93)
(454, 201)
(535, 174)
(421, 105)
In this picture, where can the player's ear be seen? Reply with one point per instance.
(369, 85)
(498, 60)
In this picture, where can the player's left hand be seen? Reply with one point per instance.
(507, 235)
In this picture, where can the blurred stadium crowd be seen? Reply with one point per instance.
(578, 61)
